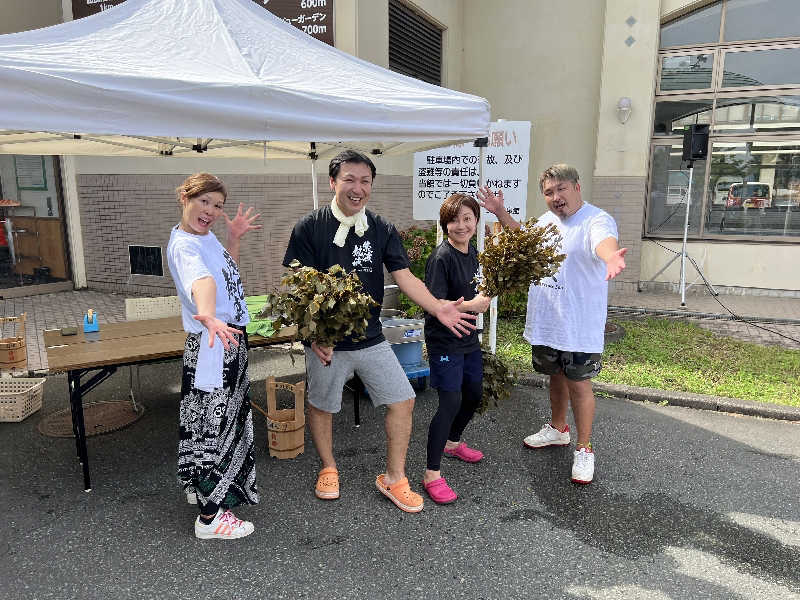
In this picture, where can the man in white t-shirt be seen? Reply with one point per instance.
(566, 317)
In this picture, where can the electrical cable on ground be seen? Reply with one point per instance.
(734, 316)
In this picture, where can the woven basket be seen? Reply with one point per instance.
(13, 350)
(19, 398)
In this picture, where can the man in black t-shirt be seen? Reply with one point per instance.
(345, 233)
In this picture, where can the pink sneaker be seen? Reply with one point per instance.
(465, 453)
(439, 491)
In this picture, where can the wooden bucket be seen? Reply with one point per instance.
(13, 350)
(285, 427)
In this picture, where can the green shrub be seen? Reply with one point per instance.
(419, 243)
(512, 305)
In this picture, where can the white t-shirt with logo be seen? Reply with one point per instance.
(192, 257)
(568, 312)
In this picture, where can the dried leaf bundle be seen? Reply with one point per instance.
(327, 306)
(515, 258)
(497, 381)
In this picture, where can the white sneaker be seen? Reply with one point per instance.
(583, 466)
(225, 526)
(547, 436)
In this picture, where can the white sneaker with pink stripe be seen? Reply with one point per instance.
(225, 526)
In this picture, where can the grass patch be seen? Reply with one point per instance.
(680, 356)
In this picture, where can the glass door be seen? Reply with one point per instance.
(33, 248)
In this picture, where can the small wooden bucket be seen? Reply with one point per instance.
(286, 427)
(13, 350)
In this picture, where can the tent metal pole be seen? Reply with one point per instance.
(313, 156)
(481, 143)
(100, 140)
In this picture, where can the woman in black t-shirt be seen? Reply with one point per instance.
(455, 363)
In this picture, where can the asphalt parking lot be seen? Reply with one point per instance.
(685, 504)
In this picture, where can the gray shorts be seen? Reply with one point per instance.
(577, 366)
(377, 366)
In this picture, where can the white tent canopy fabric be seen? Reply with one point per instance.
(224, 77)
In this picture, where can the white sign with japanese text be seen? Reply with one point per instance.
(441, 172)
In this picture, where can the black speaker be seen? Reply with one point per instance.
(695, 142)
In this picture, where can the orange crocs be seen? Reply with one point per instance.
(400, 493)
(327, 484)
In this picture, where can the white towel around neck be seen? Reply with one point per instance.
(358, 220)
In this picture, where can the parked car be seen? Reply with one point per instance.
(749, 195)
(722, 187)
(785, 197)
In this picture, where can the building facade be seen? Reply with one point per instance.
(608, 85)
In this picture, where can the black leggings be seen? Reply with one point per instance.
(455, 411)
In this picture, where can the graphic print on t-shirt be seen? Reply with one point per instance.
(362, 257)
(555, 285)
(233, 285)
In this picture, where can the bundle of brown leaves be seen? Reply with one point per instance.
(497, 381)
(515, 258)
(327, 306)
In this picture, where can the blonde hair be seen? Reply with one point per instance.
(558, 172)
(201, 183)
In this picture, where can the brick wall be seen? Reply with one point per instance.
(623, 199)
(122, 210)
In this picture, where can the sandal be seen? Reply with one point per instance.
(400, 493)
(439, 491)
(464, 452)
(327, 484)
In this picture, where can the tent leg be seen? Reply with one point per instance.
(313, 156)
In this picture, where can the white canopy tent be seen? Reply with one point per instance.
(222, 77)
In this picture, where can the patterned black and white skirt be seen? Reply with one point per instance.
(215, 451)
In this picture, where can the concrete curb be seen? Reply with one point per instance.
(687, 399)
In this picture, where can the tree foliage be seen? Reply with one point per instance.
(419, 243)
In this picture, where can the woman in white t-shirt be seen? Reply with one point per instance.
(216, 464)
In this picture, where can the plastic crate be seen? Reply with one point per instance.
(20, 398)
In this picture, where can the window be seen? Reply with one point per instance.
(699, 27)
(771, 114)
(761, 19)
(672, 116)
(415, 44)
(754, 188)
(686, 72)
(146, 260)
(669, 191)
(780, 66)
(734, 65)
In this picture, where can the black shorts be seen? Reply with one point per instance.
(577, 366)
(450, 371)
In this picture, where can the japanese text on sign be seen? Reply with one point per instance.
(314, 17)
(441, 172)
